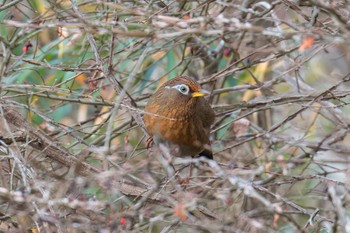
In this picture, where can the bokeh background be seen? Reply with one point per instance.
(76, 75)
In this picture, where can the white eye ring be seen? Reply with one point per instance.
(182, 88)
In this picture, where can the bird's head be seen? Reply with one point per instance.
(183, 88)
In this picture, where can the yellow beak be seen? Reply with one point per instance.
(200, 93)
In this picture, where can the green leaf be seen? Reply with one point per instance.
(171, 64)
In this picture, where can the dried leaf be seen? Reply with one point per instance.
(127, 138)
(241, 127)
(307, 43)
(275, 220)
(180, 211)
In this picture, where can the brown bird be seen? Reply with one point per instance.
(179, 117)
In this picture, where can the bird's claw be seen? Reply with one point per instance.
(149, 142)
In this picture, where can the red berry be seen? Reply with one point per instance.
(227, 51)
(26, 47)
(122, 221)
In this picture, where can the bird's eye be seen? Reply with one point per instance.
(183, 88)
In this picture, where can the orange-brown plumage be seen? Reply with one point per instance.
(178, 116)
